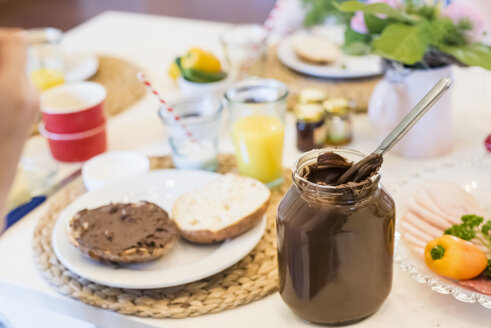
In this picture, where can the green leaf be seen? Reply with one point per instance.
(376, 25)
(319, 10)
(444, 31)
(472, 54)
(351, 36)
(356, 49)
(374, 8)
(403, 43)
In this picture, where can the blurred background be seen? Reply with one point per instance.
(35, 13)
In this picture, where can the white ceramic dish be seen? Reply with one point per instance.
(346, 67)
(79, 66)
(471, 174)
(106, 168)
(185, 263)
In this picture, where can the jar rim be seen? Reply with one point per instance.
(298, 165)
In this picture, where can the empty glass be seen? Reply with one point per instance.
(201, 116)
(244, 46)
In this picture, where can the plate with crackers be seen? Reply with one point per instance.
(318, 53)
(161, 229)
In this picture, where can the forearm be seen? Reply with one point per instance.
(10, 152)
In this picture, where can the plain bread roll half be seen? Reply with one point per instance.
(315, 49)
(224, 208)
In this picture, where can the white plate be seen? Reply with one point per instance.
(473, 175)
(347, 67)
(79, 66)
(183, 264)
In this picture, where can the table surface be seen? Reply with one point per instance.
(152, 42)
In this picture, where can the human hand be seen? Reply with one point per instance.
(19, 103)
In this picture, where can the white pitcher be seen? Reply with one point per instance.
(393, 98)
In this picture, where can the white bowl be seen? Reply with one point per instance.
(217, 88)
(113, 166)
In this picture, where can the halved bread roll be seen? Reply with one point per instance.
(315, 49)
(224, 208)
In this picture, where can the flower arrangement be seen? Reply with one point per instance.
(415, 33)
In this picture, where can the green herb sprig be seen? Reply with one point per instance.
(473, 227)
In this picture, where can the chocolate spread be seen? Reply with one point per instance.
(335, 252)
(118, 227)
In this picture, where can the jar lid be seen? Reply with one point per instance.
(309, 112)
(311, 95)
(336, 105)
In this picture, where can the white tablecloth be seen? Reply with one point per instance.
(152, 42)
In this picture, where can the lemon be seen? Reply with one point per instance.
(174, 71)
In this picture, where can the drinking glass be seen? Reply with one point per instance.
(201, 116)
(45, 57)
(243, 46)
(257, 109)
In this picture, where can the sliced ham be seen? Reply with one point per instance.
(480, 284)
(428, 216)
(452, 199)
(416, 232)
(428, 227)
(413, 240)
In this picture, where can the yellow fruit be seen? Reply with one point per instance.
(174, 71)
(201, 60)
(45, 78)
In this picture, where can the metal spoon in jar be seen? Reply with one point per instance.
(362, 169)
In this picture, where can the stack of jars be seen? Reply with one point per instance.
(322, 121)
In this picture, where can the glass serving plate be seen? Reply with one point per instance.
(474, 175)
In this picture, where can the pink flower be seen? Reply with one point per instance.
(357, 22)
(458, 12)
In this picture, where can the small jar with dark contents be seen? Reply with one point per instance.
(338, 121)
(311, 128)
(335, 242)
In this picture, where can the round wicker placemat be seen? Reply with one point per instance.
(254, 277)
(122, 86)
(358, 90)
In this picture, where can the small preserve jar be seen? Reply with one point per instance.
(335, 245)
(338, 121)
(311, 128)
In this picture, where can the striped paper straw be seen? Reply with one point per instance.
(168, 110)
(268, 27)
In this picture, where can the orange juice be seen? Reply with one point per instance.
(258, 141)
(46, 78)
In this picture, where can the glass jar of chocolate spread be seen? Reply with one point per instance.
(335, 242)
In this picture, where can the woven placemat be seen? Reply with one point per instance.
(252, 278)
(358, 90)
(122, 86)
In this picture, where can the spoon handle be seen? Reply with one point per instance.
(414, 115)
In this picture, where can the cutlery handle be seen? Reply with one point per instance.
(24, 209)
(414, 115)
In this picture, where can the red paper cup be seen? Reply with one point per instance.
(76, 147)
(73, 107)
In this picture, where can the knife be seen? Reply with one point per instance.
(24, 209)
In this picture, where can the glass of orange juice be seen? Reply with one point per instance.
(45, 64)
(257, 109)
